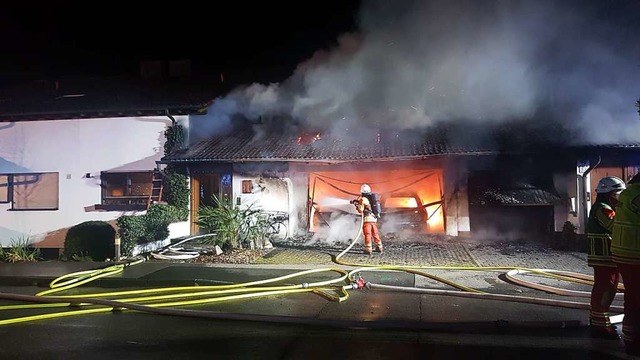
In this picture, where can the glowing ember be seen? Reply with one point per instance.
(308, 138)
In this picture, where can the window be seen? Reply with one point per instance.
(126, 190)
(30, 191)
(247, 186)
(4, 189)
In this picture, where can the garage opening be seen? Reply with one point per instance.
(411, 200)
(510, 209)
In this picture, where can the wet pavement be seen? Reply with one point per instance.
(372, 323)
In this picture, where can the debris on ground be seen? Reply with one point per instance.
(235, 256)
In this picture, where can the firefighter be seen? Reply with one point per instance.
(369, 225)
(625, 250)
(605, 273)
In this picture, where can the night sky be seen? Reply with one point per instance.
(258, 40)
(341, 64)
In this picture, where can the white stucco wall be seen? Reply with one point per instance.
(565, 184)
(74, 148)
(269, 194)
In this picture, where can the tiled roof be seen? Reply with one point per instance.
(369, 145)
(245, 146)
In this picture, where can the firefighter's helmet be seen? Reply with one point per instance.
(365, 189)
(609, 184)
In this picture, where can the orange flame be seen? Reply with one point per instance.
(306, 139)
(402, 202)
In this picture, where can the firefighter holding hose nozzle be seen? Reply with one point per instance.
(369, 206)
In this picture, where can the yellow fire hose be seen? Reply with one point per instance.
(162, 300)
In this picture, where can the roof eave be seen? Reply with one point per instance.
(105, 113)
(336, 161)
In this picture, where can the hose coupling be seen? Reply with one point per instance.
(358, 282)
(305, 285)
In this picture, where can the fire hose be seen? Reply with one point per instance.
(163, 300)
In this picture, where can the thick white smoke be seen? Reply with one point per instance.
(415, 63)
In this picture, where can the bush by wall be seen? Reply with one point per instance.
(94, 239)
(152, 226)
(132, 231)
(178, 191)
(176, 183)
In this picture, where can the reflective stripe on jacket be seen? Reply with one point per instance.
(625, 246)
(599, 227)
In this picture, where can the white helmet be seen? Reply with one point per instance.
(609, 184)
(365, 189)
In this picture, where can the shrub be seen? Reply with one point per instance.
(152, 226)
(132, 231)
(167, 213)
(94, 239)
(224, 220)
(178, 193)
(177, 184)
(234, 227)
(20, 250)
(174, 136)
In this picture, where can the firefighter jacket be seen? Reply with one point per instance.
(364, 205)
(625, 245)
(599, 227)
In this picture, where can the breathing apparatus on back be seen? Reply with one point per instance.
(374, 201)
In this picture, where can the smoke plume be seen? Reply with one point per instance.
(412, 64)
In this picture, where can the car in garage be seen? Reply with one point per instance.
(401, 212)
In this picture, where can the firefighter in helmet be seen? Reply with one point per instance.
(370, 218)
(625, 250)
(605, 273)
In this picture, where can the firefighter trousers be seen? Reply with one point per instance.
(605, 284)
(631, 322)
(370, 230)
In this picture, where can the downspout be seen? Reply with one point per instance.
(586, 203)
(173, 120)
(173, 123)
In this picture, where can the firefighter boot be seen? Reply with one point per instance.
(604, 332)
(379, 248)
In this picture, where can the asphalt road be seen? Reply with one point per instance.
(450, 329)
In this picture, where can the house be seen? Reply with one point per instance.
(502, 181)
(75, 150)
